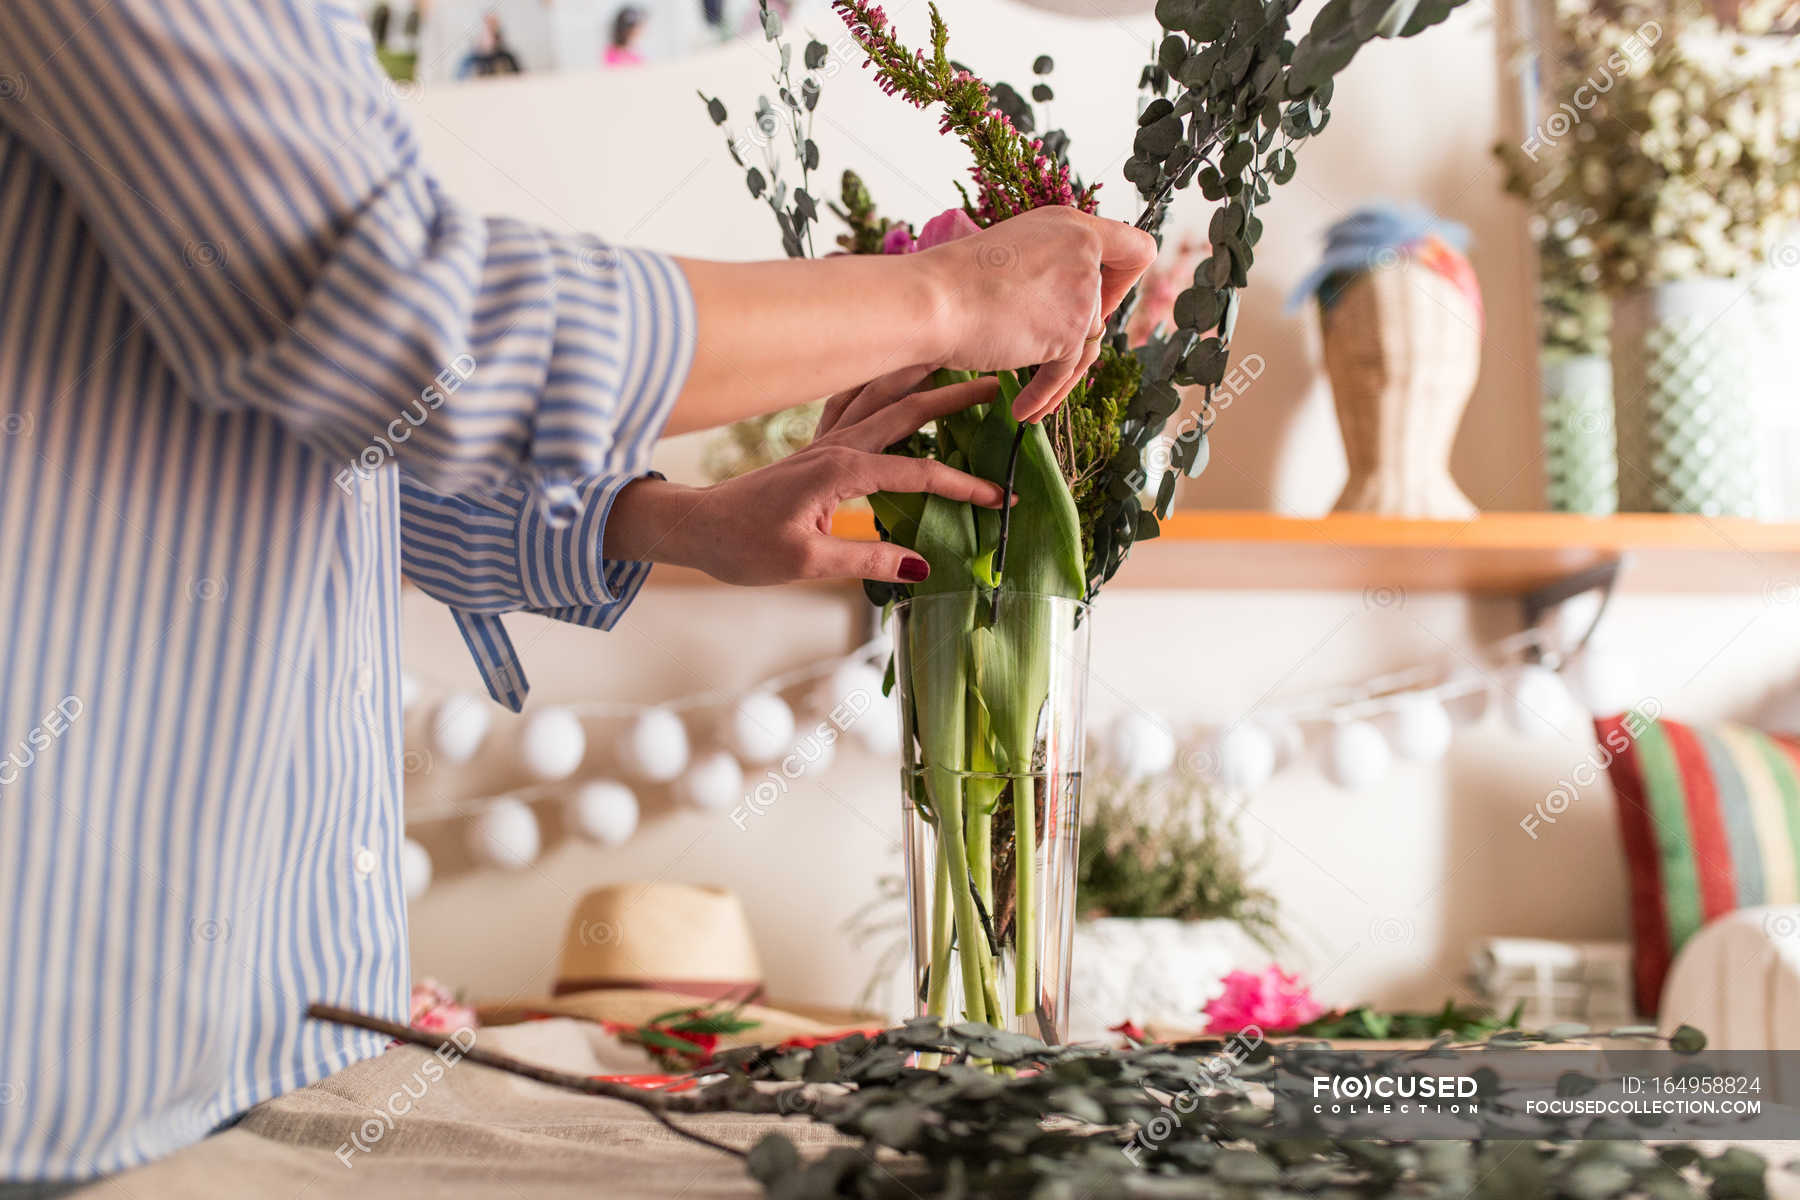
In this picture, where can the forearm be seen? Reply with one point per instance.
(653, 520)
(776, 334)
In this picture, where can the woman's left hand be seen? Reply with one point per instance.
(773, 525)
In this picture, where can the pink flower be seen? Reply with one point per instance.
(947, 226)
(436, 1009)
(1270, 1002)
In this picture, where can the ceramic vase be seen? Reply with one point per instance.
(1581, 464)
(1683, 399)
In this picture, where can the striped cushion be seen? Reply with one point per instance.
(1710, 817)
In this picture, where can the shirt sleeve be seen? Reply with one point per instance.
(248, 175)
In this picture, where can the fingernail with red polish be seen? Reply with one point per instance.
(914, 569)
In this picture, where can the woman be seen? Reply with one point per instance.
(627, 24)
(255, 362)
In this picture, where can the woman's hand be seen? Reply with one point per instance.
(1037, 289)
(774, 525)
(1033, 291)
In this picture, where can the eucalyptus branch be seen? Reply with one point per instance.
(658, 1106)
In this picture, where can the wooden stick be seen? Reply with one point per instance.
(658, 1106)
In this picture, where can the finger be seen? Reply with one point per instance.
(895, 422)
(867, 473)
(833, 416)
(1047, 387)
(1126, 252)
(836, 558)
(882, 392)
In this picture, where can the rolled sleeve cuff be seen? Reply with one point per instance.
(563, 570)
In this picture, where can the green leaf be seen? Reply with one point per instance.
(755, 182)
(772, 1159)
(1199, 308)
(714, 108)
(771, 23)
(816, 54)
(1042, 93)
(1687, 1040)
(1160, 138)
(1165, 497)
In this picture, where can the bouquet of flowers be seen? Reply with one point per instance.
(984, 645)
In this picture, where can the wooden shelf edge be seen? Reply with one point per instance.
(1493, 553)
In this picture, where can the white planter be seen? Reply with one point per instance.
(1152, 970)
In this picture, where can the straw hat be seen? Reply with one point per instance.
(634, 951)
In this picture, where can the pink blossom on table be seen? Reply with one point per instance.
(1270, 1001)
(1160, 286)
(436, 1009)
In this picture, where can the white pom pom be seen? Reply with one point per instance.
(1246, 757)
(409, 691)
(715, 782)
(1536, 703)
(878, 730)
(1355, 755)
(505, 834)
(1141, 745)
(1469, 706)
(1419, 728)
(1604, 683)
(851, 700)
(816, 752)
(761, 728)
(459, 727)
(849, 681)
(415, 869)
(605, 811)
(552, 744)
(655, 746)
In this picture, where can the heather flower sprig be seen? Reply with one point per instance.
(1012, 173)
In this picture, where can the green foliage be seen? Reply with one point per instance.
(1464, 1022)
(795, 212)
(1164, 848)
(856, 209)
(1010, 1118)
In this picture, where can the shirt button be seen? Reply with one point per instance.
(365, 679)
(365, 861)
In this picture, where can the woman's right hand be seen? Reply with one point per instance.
(1035, 289)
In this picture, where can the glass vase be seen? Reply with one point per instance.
(992, 696)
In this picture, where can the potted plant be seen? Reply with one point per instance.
(991, 650)
(1673, 148)
(1166, 905)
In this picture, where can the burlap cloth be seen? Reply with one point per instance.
(472, 1132)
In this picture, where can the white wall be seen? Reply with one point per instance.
(1385, 889)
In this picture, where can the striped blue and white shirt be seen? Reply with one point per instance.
(253, 364)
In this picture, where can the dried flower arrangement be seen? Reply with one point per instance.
(1682, 160)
